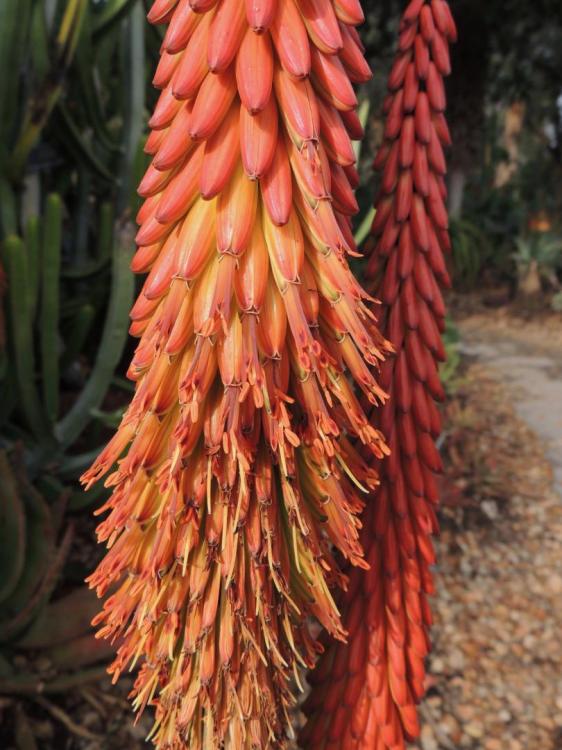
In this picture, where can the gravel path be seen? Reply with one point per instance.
(533, 370)
(497, 662)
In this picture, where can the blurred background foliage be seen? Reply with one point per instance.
(74, 97)
(505, 167)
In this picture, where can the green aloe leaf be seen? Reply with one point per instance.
(8, 29)
(14, 28)
(26, 684)
(39, 41)
(43, 101)
(95, 497)
(122, 290)
(81, 652)
(364, 228)
(111, 346)
(12, 531)
(363, 114)
(105, 236)
(88, 76)
(49, 321)
(16, 624)
(63, 620)
(8, 211)
(39, 547)
(78, 334)
(113, 11)
(33, 247)
(15, 255)
(72, 139)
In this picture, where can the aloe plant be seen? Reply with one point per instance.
(72, 114)
(72, 126)
(34, 544)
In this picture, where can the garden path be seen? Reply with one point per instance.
(532, 367)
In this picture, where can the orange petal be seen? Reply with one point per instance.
(258, 139)
(285, 245)
(250, 281)
(260, 14)
(176, 141)
(297, 103)
(221, 154)
(331, 81)
(193, 67)
(254, 71)
(212, 103)
(276, 186)
(196, 239)
(226, 33)
(182, 190)
(182, 25)
(291, 40)
(322, 25)
(236, 211)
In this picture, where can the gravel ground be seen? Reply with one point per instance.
(496, 667)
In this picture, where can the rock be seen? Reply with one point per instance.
(490, 509)
(474, 729)
(465, 712)
(451, 728)
(437, 665)
(428, 740)
(457, 660)
(554, 583)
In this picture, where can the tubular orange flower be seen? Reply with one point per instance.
(234, 468)
(364, 693)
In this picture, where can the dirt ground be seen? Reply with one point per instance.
(496, 666)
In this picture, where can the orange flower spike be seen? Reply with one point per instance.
(250, 325)
(364, 694)
(212, 103)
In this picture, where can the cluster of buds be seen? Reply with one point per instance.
(364, 694)
(245, 454)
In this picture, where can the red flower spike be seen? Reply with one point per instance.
(364, 693)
